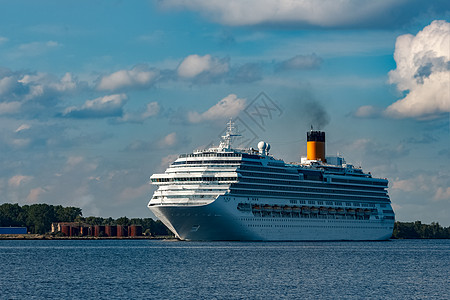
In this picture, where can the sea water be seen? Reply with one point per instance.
(159, 269)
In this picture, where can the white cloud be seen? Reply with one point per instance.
(73, 161)
(228, 107)
(7, 83)
(152, 109)
(45, 86)
(17, 180)
(107, 106)
(20, 143)
(139, 76)
(35, 48)
(9, 107)
(300, 62)
(23, 127)
(194, 65)
(322, 13)
(423, 69)
(367, 111)
(169, 140)
(34, 195)
(435, 186)
(442, 193)
(3, 39)
(66, 83)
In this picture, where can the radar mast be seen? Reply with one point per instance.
(230, 133)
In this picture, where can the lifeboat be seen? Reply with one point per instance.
(340, 211)
(314, 210)
(367, 212)
(287, 209)
(256, 207)
(350, 211)
(277, 208)
(267, 207)
(296, 209)
(360, 212)
(331, 210)
(323, 210)
(305, 210)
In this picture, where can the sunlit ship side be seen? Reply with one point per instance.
(222, 193)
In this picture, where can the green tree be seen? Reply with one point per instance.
(12, 215)
(94, 220)
(39, 217)
(67, 214)
(123, 221)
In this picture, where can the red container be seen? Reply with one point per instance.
(111, 231)
(99, 230)
(65, 229)
(134, 230)
(122, 231)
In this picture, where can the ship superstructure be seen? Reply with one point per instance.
(222, 193)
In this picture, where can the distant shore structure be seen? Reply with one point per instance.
(13, 230)
(226, 193)
(81, 229)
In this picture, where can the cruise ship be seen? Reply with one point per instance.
(235, 194)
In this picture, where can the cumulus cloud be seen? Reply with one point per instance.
(367, 111)
(436, 186)
(205, 68)
(7, 83)
(152, 109)
(228, 107)
(34, 93)
(423, 71)
(169, 140)
(300, 62)
(7, 108)
(309, 13)
(36, 48)
(138, 77)
(34, 195)
(17, 180)
(102, 107)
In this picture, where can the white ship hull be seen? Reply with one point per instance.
(223, 193)
(221, 220)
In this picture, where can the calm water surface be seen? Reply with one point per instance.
(145, 269)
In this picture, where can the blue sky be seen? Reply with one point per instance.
(95, 96)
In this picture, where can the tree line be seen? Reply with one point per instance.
(38, 218)
(417, 230)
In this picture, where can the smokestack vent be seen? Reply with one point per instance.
(315, 136)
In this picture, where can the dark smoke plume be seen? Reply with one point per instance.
(316, 115)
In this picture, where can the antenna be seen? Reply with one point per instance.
(226, 139)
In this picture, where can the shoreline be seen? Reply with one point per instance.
(50, 237)
(166, 238)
